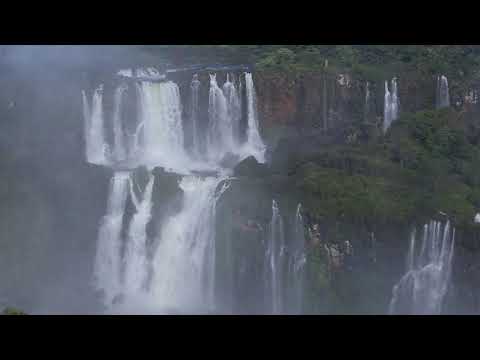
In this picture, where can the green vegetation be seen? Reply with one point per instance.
(426, 163)
(12, 311)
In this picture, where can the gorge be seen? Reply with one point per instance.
(241, 185)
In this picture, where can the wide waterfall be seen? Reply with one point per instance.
(184, 262)
(391, 104)
(442, 95)
(108, 257)
(175, 269)
(423, 288)
(275, 260)
(162, 125)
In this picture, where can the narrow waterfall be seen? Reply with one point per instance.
(391, 105)
(119, 151)
(234, 110)
(255, 143)
(184, 261)
(423, 288)
(94, 131)
(135, 258)
(443, 97)
(194, 113)
(108, 257)
(220, 128)
(275, 255)
(296, 264)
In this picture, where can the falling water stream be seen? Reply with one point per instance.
(178, 273)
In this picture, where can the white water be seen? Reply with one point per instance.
(423, 288)
(181, 274)
(94, 131)
(275, 257)
(196, 135)
(162, 125)
(220, 127)
(119, 151)
(135, 258)
(443, 97)
(254, 143)
(390, 111)
(108, 258)
(234, 110)
(297, 263)
(185, 259)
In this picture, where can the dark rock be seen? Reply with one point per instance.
(250, 167)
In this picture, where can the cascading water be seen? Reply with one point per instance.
(119, 152)
(161, 113)
(254, 143)
(135, 257)
(443, 97)
(184, 261)
(275, 256)
(296, 264)
(234, 110)
(179, 271)
(423, 288)
(108, 257)
(194, 113)
(220, 127)
(94, 131)
(390, 112)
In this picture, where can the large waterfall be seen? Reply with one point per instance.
(423, 288)
(391, 103)
(442, 95)
(175, 269)
(184, 262)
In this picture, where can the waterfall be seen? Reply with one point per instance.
(161, 113)
(234, 110)
(135, 258)
(296, 266)
(423, 288)
(255, 143)
(175, 268)
(220, 128)
(391, 104)
(183, 264)
(119, 148)
(443, 97)
(275, 256)
(94, 132)
(196, 135)
(107, 262)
